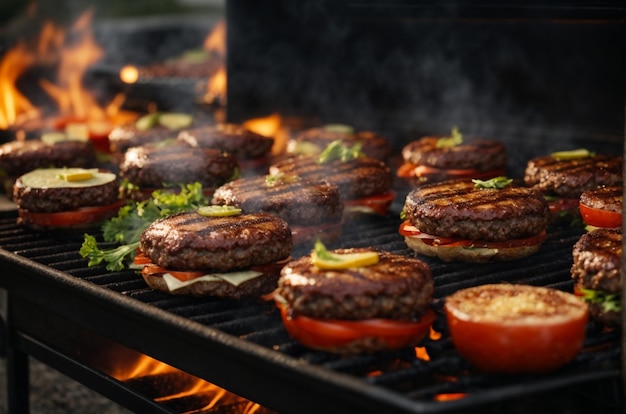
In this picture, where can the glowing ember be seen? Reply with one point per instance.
(449, 397)
(129, 74)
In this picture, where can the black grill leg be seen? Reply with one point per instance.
(18, 382)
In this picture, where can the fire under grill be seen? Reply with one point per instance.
(59, 309)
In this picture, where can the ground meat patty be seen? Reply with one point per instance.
(397, 287)
(20, 157)
(124, 137)
(171, 163)
(242, 143)
(569, 178)
(52, 199)
(372, 144)
(190, 241)
(604, 198)
(479, 154)
(597, 260)
(358, 178)
(296, 201)
(458, 209)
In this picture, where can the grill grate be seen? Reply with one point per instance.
(411, 380)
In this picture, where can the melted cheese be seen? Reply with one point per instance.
(234, 278)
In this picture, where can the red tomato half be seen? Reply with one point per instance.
(600, 218)
(409, 230)
(183, 276)
(336, 335)
(84, 215)
(379, 204)
(516, 328)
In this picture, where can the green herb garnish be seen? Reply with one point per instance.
(336, 150)
(453, 140)
(610, 301)
(496, 183)
(132, 219)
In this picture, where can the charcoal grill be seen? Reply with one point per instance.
(59, 308)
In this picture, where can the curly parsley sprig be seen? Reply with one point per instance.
(125, 229)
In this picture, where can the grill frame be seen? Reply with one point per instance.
(191, 334)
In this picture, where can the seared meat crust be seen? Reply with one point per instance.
(480, 154)
(355, 179)
(569, 178)
(20, 157)
(458, 209)
(397, 287)
(190, 241)
(52, 200)
(157, 165)
(242, 143)
(297, 202)
(604, 198)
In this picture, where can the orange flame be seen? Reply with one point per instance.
(14, 106)
(215, 43)
(271, 126)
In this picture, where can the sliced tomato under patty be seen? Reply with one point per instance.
(379, 203)
(600, 218)
(409, 230)
(335, 334)
(83, 215)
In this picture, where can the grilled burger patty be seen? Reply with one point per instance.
(480, 154)
(124, 137)
(190, 241)
(296, 201)
(20, 157)
(57, 199)
(372, 144)
(569, 178)
(158, 164)
(242, 143)
(397, 287)
(597, 260)
(458, 209)
(358, 178)
(604, 198)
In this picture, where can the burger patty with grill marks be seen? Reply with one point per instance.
(124, 137)
(597, 263)
(190, 241)
(296, 201)
(358, 178)
(569, 178)
(242, 143)
(53, 200)
(397, 287)
(604, 198)
(479, 154)
(372, 144)
(156, 165)
(458, 209)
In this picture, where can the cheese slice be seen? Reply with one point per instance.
(234, 278)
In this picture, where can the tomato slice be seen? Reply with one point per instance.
(336, 335)
(600, 218)
(516, 328)
(182, 275)
(83, 215)
(409, 230)
(379, 204)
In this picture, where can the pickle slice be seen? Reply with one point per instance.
(219, 211)
(576, 154)
(175, 120)
(344, 261)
